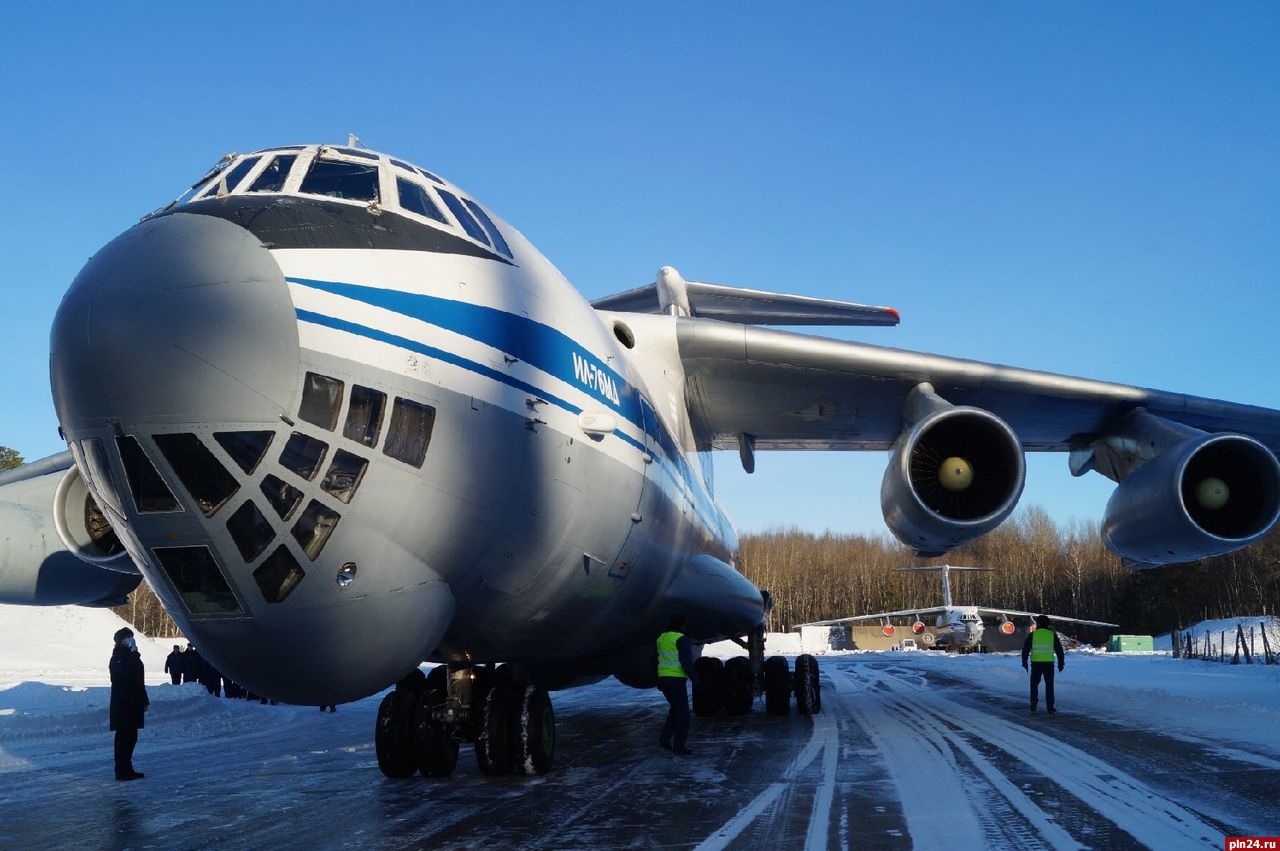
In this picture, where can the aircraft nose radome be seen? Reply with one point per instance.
(181, 318)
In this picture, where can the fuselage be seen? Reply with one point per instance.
(346, 420)
(960, 627)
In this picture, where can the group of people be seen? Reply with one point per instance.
(188, 666)
(675, 668)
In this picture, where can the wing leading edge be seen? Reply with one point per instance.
(797, 391)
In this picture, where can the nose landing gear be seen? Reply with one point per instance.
(422, 723)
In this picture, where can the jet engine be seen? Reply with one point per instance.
(1205, 496)
(56, 548)
(918, 627)
(84, 528)
(955, 475)
(1006, 625)
(887, 630)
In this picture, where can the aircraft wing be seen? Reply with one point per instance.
(795, 391)
(1054, 618)
(908, 613)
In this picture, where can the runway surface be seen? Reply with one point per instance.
(905, 754)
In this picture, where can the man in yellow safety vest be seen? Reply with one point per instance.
(1042, 645)
(675, 666)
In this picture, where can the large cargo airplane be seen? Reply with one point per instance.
(344, 419)
(957, 627)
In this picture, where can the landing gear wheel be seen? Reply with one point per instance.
(808, 692)
(392, 736)
(435, 751)
(777, 686)
(493, 744)
(708, 694)
(737, 686)
(533, 730)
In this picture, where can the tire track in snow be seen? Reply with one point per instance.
(824, 738)
(1127, 803)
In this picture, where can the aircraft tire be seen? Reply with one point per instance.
(533, 731)
(808, 691)
(493, 743)
(435, 752)
(737, 686)
(777, 686)
(708, 695)
(392, 737)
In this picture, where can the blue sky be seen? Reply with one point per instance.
(1088, 188)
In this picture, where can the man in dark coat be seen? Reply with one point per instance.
(129, 701)
(173, 665)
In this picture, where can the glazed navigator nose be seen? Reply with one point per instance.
(181, 318)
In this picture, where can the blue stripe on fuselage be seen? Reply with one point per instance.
(533, 342)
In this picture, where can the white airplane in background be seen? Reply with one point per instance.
(344, 419)
(958, 627)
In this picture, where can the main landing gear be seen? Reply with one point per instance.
(733, 684)
(422, 723)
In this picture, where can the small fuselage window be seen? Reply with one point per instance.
(321, 400)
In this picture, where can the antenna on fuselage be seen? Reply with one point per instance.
(353, 141)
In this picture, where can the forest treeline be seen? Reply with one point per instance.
(1037, 566)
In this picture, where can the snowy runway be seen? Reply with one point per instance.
(911, 751)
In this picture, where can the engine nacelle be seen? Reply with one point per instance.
(953, 477)
(1208, 495)
(1006, 626)
(918, 627)
(887, 630)
(37, 568)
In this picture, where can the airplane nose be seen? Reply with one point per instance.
(181, 318)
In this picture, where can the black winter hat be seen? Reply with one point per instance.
(122, 633)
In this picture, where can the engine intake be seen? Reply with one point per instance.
(953, 477)
(1206, 496)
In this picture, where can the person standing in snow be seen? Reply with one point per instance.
(173, 665)
(1042, 645)
(129, 701)
(675, 666)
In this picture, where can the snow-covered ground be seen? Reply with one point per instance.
(886, 715)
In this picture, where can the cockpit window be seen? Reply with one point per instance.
(150, 494)
(468, 221)
(208, 482)
(272, 178)
(336, 179)
(232, 178)
(498, 241)
(416, 199)
(356, 152)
